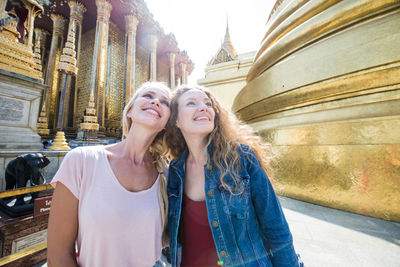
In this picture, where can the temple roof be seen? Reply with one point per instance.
(226, 52)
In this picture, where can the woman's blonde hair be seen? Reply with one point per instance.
(158, 148)
(226, 138)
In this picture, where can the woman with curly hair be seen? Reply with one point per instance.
(111, 200)
(222, 207)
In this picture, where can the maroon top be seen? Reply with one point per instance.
(198, 248)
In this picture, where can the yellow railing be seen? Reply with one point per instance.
(25, 190)
(19, 255)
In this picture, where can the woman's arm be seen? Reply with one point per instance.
(275, 230)
(63, 228)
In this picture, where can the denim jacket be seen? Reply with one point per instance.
(248, 228)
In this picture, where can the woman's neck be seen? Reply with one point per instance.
(197, 151)
(136, 145)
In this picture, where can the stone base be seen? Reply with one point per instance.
(19, 102)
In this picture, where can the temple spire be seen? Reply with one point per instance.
(226, 52)
(228, 43)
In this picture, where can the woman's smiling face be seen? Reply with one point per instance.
(151, 108)
(195, 113)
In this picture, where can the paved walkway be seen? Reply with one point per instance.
(327, 237)
(332, 238)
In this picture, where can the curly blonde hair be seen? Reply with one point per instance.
(227, 137)
(158, 148)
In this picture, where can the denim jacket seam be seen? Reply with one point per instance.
(233, 229)
(252, 244)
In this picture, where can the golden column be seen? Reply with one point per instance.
(67, 68)
(99, 70)
(183, 73)
(51, 77)
(34, 9)
(67, 72)
(77, 10)
(171, 58)
(42, 126)
(153, 57)
(131, 23)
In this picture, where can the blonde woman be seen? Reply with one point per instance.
(222, 207)
(110, 201)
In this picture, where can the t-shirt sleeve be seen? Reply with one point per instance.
(70, 172)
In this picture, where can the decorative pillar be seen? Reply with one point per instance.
(131, 23)
(57, 42)
(67, 68)
(40, 36)
(99, 70)
(183, 73)
(43, 50)
(3, 4)
(77, 10)
(171, 58)
(67, 72)
(153, 57)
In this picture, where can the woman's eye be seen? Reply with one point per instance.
(190, 103)
(165, 102)
(147, 96)
(208, 104)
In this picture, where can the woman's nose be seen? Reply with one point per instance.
(155, 101)
(203, 107)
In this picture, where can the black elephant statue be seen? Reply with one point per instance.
(25, 168)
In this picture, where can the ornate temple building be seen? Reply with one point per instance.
(88, 56)
(324, 90)
(226, 72)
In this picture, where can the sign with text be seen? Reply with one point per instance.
(28, 241)
(41, 206)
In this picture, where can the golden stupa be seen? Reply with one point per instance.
(324, 90)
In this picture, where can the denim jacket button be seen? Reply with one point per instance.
(209, 193)
(215, 224)
(209, 167)
(222, 253)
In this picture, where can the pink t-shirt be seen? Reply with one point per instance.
(116, 227)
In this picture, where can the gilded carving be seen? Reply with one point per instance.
(76, 11)
(103, 10)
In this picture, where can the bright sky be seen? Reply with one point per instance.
(199, 26)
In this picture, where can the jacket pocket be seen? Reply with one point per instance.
(237, 199)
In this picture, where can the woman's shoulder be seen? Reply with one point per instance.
(84, 152)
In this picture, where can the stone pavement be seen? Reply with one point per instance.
(326, 237)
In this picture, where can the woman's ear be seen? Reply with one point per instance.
(128, 114)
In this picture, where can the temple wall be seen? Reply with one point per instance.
(324, 90)
(115, 80)
(162, 72)
(142, 65)
(226, 79)
(84, 72)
